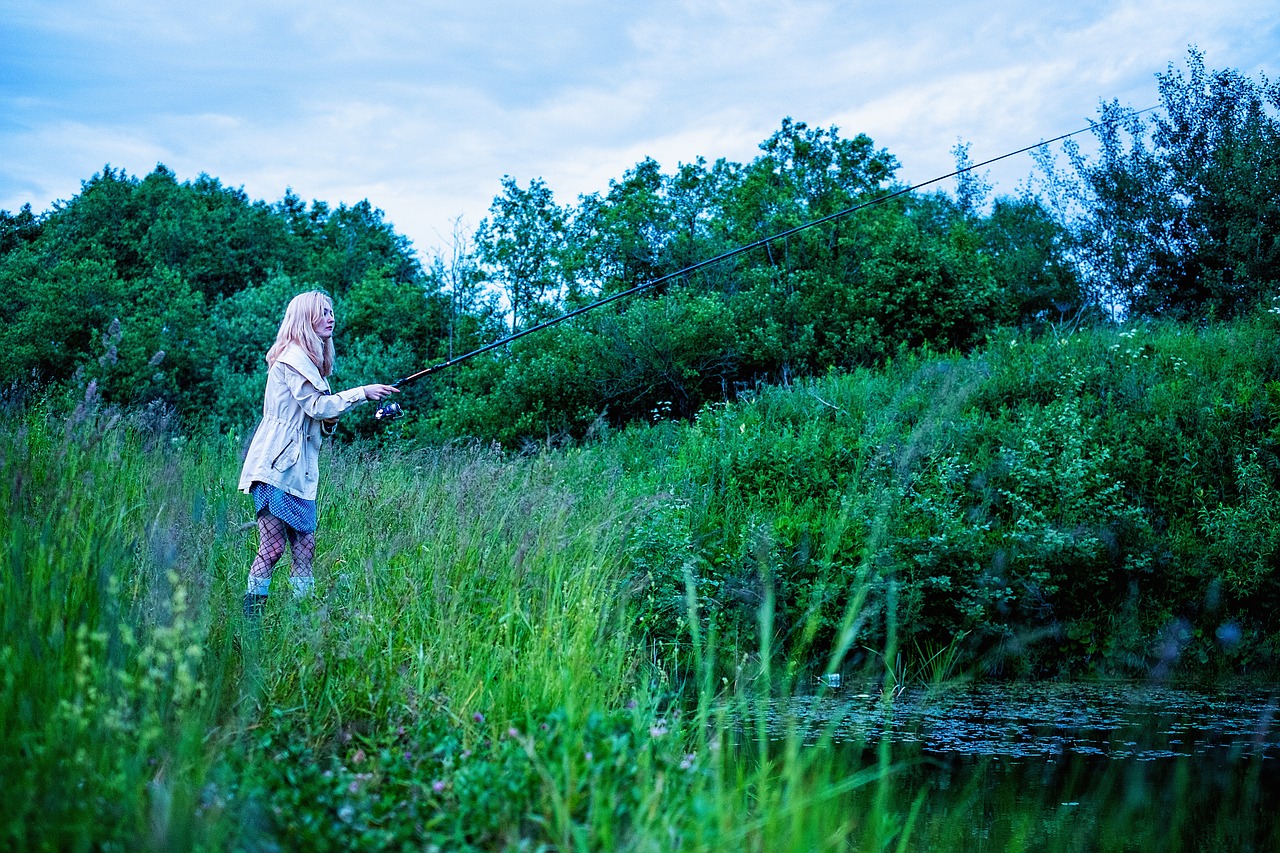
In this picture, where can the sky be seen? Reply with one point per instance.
(423, 107)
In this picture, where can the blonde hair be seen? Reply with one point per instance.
(299, 327)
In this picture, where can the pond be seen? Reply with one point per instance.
(1119, 720)
(1062, 766)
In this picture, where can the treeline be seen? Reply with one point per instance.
(131, 268)
(168, 293)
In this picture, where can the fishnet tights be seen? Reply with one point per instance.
(273, 534)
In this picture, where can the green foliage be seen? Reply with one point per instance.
(1029, 256)
(1178, 215)
(1243, 537)
(17, 228)
(58, 311)
(200, 273)
(467, 680)
(804, 173)
(570, 648)
(431, 777)
(663, 357)
(520, 242)
(169, 292)
(557, 648)
(621, 239)
(1174, 217)
(664, 571)
(379, 308)
(106, 683)
(1050, 500)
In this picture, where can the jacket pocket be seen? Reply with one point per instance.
(288, 457)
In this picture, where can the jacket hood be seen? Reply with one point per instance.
(297, 358)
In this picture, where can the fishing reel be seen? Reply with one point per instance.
(389, 412)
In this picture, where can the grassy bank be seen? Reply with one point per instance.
(1081, 502)
(559, 649)
(467, 674)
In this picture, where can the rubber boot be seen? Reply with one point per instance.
(253, 606)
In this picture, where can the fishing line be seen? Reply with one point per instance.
(392, 410)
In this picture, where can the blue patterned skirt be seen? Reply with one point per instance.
(298, 513)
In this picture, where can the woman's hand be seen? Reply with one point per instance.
(377, 392)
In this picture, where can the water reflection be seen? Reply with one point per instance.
(1118, 720)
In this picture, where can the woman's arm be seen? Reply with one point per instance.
(322, 406)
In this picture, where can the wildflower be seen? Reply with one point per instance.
(347, 813)
(438, 786)
(687, 763)
(358, 757)
(513, 733)
(658, 729)
(478, 717)
(589, 756)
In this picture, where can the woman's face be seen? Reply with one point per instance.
(324, 323)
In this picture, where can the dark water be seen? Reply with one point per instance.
(1079, 766)
(1117, 720)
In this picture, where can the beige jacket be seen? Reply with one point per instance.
(285, 450)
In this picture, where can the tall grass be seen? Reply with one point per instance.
(467, 673)
(570, 650)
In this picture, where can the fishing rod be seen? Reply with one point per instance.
(391, 411)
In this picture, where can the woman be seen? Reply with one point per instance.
(281, 468)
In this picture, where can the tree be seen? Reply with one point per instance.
(1218, 139)
(1029, 257)
(520, 245)
(17, 229)
(1180, 216)
(804, 174)
(663, 357)
(379, 307)
(622, 237)
(160, 350)
(58, 309)
(349, 242)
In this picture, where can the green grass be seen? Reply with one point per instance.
(468, 673)
(574, 649)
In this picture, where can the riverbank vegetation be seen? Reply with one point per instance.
(483, 665)
(1033, 436)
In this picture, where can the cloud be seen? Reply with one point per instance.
(422, 107)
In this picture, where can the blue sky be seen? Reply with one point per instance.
(422, 107)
